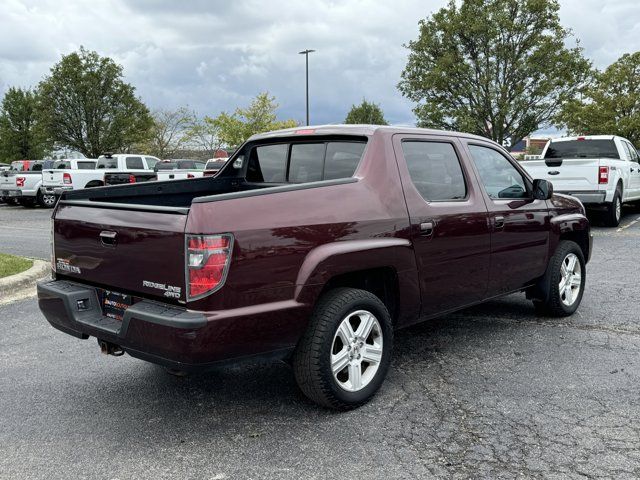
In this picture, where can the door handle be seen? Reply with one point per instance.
(498, 222)
(107, 238)
(426, 229)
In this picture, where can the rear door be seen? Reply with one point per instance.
(633, 189)
(519, 223)
(449, 222)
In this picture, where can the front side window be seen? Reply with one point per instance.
(151, 162)
(435, 170)
(134, 163)
(499, 177)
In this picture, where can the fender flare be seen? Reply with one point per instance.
(329, 259)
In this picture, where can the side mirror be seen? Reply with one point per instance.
(542, 189)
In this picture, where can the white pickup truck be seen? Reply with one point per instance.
(179, 169)
(69, 174)
(602, 171)
(21, 183)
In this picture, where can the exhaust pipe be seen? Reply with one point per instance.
(109, 348)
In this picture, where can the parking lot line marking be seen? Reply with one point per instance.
(22, 228)
(628, 225)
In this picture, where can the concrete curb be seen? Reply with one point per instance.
(21, 281)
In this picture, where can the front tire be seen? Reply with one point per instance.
(563, 283)
(343, 357)
(613, 213)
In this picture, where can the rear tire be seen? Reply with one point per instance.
(344, 355)
(563, 284)
(47, 200)
(613, 213)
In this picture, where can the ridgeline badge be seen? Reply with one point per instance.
(169, 290)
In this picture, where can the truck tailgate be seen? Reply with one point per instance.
(52, 178)
(135, 252)
(566, 175)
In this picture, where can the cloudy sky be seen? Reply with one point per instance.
(214, 55)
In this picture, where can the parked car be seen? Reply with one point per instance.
(69, 174)
(4, 166)
(602, 171)
(214, 165)
(312, 245)
(179, 169)
(127, 168)
(21, 183)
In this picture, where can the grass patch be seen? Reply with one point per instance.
(10, 265)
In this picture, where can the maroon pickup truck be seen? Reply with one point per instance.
(312, 246)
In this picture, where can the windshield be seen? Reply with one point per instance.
(582, 149)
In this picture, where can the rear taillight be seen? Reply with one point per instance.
(132, 179)
(207, 263)
(603, 175)
(66, 179)
(190, 175)
(20, 181)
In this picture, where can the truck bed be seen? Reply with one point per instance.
(178, 193)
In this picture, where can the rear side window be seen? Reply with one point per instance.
(134, 163)
(86, 165)
(435, 170)
(582, 149)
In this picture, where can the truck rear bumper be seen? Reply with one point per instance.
(588, 197)
(170, 335)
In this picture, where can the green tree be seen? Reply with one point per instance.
(21, 133)
(168, 133)
(610, 105)
(497, 68)
(86, 105)
(260, 116)
(203, 134)
(365, 113)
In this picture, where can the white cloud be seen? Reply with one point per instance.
(216, 55)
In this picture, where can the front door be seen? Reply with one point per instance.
(449, 222)
(519, 223)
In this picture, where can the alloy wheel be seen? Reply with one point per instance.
(570, 279)
(356, 351)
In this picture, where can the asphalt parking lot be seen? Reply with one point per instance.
(489, 392)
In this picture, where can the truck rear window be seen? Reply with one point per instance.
(582, 149)
(304, 161)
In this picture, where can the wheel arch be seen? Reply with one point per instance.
(385, 267)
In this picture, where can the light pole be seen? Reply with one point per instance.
(306, 54)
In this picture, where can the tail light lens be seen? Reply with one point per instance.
(66, 179)
(190, 175)
(603, 175)
(207, 262)
(20, 181)
(132, 179)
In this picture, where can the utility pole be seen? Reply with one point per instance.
(306, 54)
